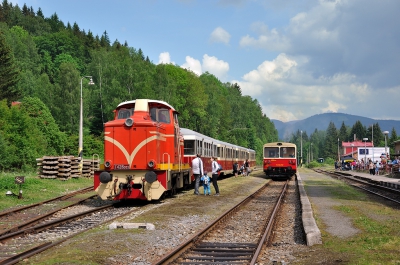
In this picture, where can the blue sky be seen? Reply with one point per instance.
(297, 58)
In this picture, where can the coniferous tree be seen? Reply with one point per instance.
(392, 139)
(332, 144)
(9, 74)
(343, 135)
(358, 130)
(374, 133)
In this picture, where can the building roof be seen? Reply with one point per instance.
(357, 144)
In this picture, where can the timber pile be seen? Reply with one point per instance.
(65, 167)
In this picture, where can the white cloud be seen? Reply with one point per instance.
(280, 88)
(164, 58)
(338, 56)
(220, 35)
(192, 65)
(267, 39)
(214, 66)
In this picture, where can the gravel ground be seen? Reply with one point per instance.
(176, 220)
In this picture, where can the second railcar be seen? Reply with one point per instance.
(280, 160)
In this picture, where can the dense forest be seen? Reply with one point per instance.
(45, 64)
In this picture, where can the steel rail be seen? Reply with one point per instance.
(46, 225)
(169, 257)
(61, 198)
(252, 250)
(269, 225)
(39, 218)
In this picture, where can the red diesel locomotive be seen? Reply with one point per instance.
(280, 160)
(144, 152)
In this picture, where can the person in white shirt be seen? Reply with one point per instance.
(197, 168)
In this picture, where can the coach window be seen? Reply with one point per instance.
(188, 147)
(199, 148)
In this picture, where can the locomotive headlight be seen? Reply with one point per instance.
(107, 164)
(152, 164)
(105, 177)
(150, 177)
(128, 122)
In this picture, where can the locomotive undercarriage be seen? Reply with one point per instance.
(145, 185)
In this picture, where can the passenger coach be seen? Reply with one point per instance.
(207, 147)
(280, 160)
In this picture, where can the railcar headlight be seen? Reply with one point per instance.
(128, 122)
(107, 164)
(152, 164)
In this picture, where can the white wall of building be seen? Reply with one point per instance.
(373, 153)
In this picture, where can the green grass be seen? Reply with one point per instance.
(36, 189)
(379, 224)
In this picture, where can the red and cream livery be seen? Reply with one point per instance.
(147, 155)
(280, 160)
(226, 153)
(143, 151)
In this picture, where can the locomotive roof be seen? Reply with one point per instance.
(148, 100)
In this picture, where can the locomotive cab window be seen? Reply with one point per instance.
(153, 114)
(163, 116)
(124, 113)
(160, 115)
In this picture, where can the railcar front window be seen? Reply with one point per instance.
(271, 152)
(288, 152)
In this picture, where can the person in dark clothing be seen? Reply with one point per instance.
(235, 169)
(214, 166)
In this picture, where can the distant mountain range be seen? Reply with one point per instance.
(321, 122)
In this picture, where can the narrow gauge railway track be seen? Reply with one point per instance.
(23, 217)
(25, 243)
(237, 236)
(368, 186)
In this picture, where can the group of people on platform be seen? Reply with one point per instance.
(374, 168)
(202, 176)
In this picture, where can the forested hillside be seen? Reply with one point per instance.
(44, 64)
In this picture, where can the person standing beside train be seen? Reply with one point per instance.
(235, 168)
(247, 167)
(197, 168)
(215, 167)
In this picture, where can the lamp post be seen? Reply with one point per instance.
(386, 133)
(365, 150)
(373, 146)
(311, 153)
(338, 153)
(80, 149)
(352, 146)
(301, 148)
